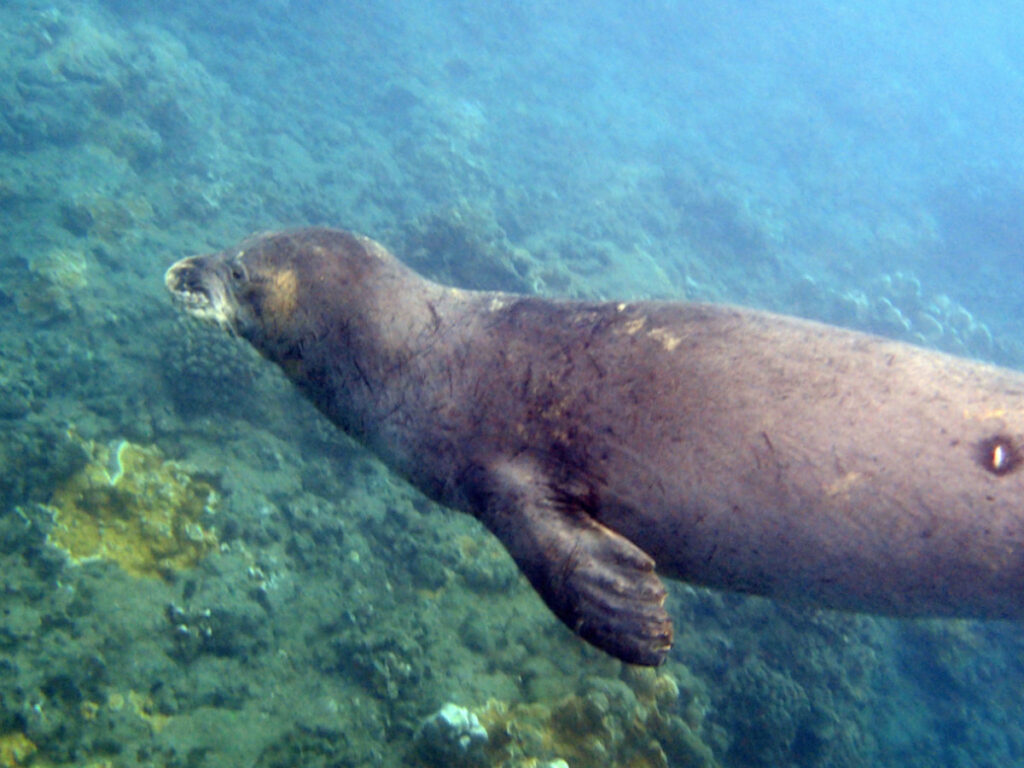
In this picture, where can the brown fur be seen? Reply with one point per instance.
(727, 447)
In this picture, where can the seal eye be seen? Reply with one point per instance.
(237, 273)
(999, 455)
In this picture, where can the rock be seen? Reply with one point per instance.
(452, 736)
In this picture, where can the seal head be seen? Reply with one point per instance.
(377, 348)
(266, 290)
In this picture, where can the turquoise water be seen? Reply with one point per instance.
(197, 570)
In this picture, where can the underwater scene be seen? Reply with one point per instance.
(198, 569)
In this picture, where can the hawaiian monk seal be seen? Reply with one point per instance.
(601, 441)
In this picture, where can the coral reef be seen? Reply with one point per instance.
(204, 371)
(56, 275)
(633, 721)
(464, 245)
(897, 306)
(537, 147)
(130, 505)
(107, 218)
(767, 711)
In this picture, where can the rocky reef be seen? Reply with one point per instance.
(898, 306)
(271, 596)
(642, 719)
(56, 275)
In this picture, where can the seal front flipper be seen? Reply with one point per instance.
(601, 585)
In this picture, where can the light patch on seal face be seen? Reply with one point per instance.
(281, 296)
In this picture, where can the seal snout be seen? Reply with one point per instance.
(197, 289)
(184, 279)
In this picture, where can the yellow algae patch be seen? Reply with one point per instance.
(130, 505)
(144, 708)
(16, 749)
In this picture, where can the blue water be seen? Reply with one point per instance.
(858, 163)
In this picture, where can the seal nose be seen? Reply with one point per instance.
(183, 277)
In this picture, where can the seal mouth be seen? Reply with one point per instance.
(199, 292)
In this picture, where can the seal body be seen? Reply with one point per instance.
(605, 442)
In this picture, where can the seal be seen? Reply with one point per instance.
(607, 443)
